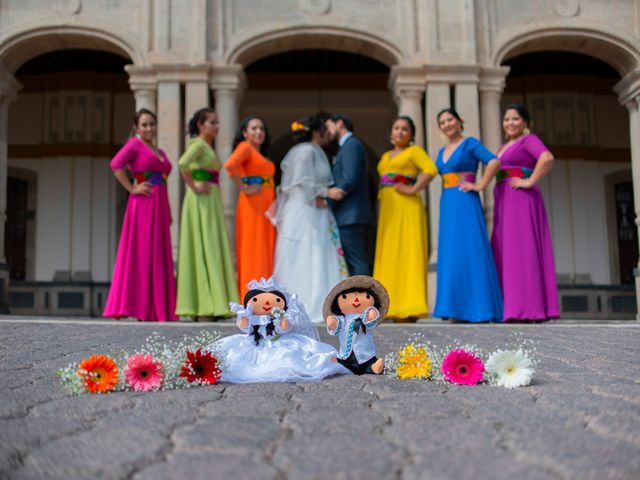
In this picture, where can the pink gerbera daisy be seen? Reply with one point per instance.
(462, 367)
(143, 372)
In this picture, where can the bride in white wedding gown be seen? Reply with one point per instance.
(308, 259)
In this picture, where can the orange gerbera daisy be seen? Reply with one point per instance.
(99, 373)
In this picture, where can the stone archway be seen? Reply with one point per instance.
(302, 38)
(21, 47)
(609, 48)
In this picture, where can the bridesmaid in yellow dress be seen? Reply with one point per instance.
(401, 243)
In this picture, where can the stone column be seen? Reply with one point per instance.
(196, 90)
(628, 90)
(467, 105)
(143, 83)
(8, 88)
(170, 135)
(227, 82)
(408, 86)
(437, 98)
(492, 82)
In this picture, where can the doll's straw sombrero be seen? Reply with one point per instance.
(358, 281)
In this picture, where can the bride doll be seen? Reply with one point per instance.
(278, 343)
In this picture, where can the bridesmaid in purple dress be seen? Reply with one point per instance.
(521, 238)
(143, 284)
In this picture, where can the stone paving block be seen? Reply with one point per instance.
(334, 421)
(233, 434)
(102, 452)
(210, 466)
(334, 456)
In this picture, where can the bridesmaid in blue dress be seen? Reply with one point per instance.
(468, 286)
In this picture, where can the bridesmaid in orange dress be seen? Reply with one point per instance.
(252, 173)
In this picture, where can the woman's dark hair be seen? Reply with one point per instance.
(310, 124)
(199, 118)
(138, 115)
(412, 126)
(239, 137)
(522, 111)
(252, 293)
(451, 111)
(335, 308)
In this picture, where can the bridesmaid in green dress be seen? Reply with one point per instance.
(206, 276)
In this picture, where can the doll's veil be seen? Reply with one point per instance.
(296, 313)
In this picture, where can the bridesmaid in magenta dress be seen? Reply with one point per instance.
(521, 238)
(143, 284)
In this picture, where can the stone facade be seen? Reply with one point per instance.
(183, 53)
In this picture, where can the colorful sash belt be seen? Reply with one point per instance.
(390, 179)
(211, 176)
(454, 179)
(151, 177)
(511, 172)
(257, 180)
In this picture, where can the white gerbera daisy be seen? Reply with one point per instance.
(510, 369)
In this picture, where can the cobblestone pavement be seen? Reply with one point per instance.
(580, 419)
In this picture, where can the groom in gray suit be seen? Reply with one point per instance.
(349, 199)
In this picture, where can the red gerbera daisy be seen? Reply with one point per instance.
(201, 367)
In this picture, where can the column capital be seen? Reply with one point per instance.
(141, 77)
(493, 79)
(407, 83)
(146, 77)
(410, 78)
(228, 77)
(452, 73)
(183, 72)
(9, 86)
(628, 90)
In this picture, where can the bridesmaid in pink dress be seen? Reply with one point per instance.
(143, 284)
(521, 238)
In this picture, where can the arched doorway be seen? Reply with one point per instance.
(71, 116)
(295, 83)
(577, 114)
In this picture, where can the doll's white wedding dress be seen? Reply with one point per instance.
(265, 352)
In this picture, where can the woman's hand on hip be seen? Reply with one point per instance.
(469, 187)
(142, 188)
(404, 189)
(252, 189)
(517, 183)
(202, 187)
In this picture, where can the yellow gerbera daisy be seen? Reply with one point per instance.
(413, 362)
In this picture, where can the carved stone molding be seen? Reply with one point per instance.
(228, 77)
(315, 7)
(68, 7)
(565, 8)
(628, 89)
